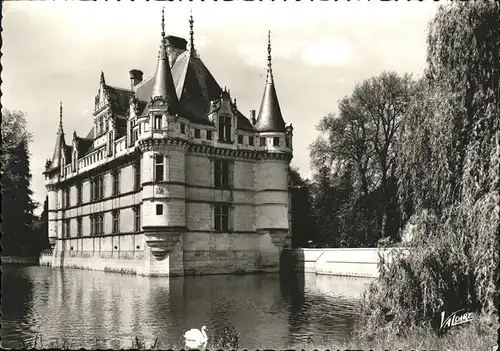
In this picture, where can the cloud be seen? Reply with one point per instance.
(334, 51)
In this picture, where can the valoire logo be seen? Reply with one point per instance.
(456, 318)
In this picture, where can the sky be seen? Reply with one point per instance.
(55, 51)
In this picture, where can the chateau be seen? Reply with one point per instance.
(172, 179)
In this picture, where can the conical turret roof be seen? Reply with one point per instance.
(270, 118)
(60, 146)
(163, 86)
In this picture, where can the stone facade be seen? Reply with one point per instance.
(172, 179)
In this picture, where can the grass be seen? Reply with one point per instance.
(472, 337)
(475, 336)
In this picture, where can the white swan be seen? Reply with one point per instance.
(196, 335)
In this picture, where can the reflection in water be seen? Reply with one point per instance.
(89, 308)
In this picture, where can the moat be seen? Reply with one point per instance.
(80, 307)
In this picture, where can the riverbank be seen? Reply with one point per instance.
(473, 337)
(476, 336)
(18, 260)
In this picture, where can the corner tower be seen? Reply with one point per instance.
(163, 149)
(53, 170)
(271, 183)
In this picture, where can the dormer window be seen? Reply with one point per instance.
(157, 122)
(225, 129)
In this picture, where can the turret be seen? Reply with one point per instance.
(270, 118)
(163, 194)
(163, 87)
(271, 199)
(59, 148)
(52, 174)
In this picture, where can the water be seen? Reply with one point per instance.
(80, 307)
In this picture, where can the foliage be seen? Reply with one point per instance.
(42, 227)
(14, 131)
(229, 339)
(302, 226)
(359, 148)
(17, 205)
(448, 170)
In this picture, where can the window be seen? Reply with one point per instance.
(100, 217)
(131, 141)
(137, 175)
(137, 218)
(101, 187)
(197, 133)
(157, 122)
(240, 139)
(159, 167)
(96, 188)
(221, 174)
(287, 142)
(116, 221)
(250, 141)
(79, 227)
(221, 217)
(116, 182)
(262, 141)
(159, 209)
(183, 128)
(97, 224)
(276, 141)
(66, 198)
(209, 135)
(136, 135)
(225, 129)
(79, 194)
(67, 228)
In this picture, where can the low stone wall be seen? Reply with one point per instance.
(7, 260)
(195, 254)
(352, 262)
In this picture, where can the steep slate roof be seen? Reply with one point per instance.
(163, 84)
(270, 118)
(195, 87)
(84, 145)
(68, 153)
(60, 147)
(119, 99)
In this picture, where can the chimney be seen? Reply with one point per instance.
(135, 77)
(252, 116)
(175, 47)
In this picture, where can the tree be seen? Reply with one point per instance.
(362, 140)
(449, 178)
(303, 228)
(42, 229)
(14, 131)
(17, 205)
